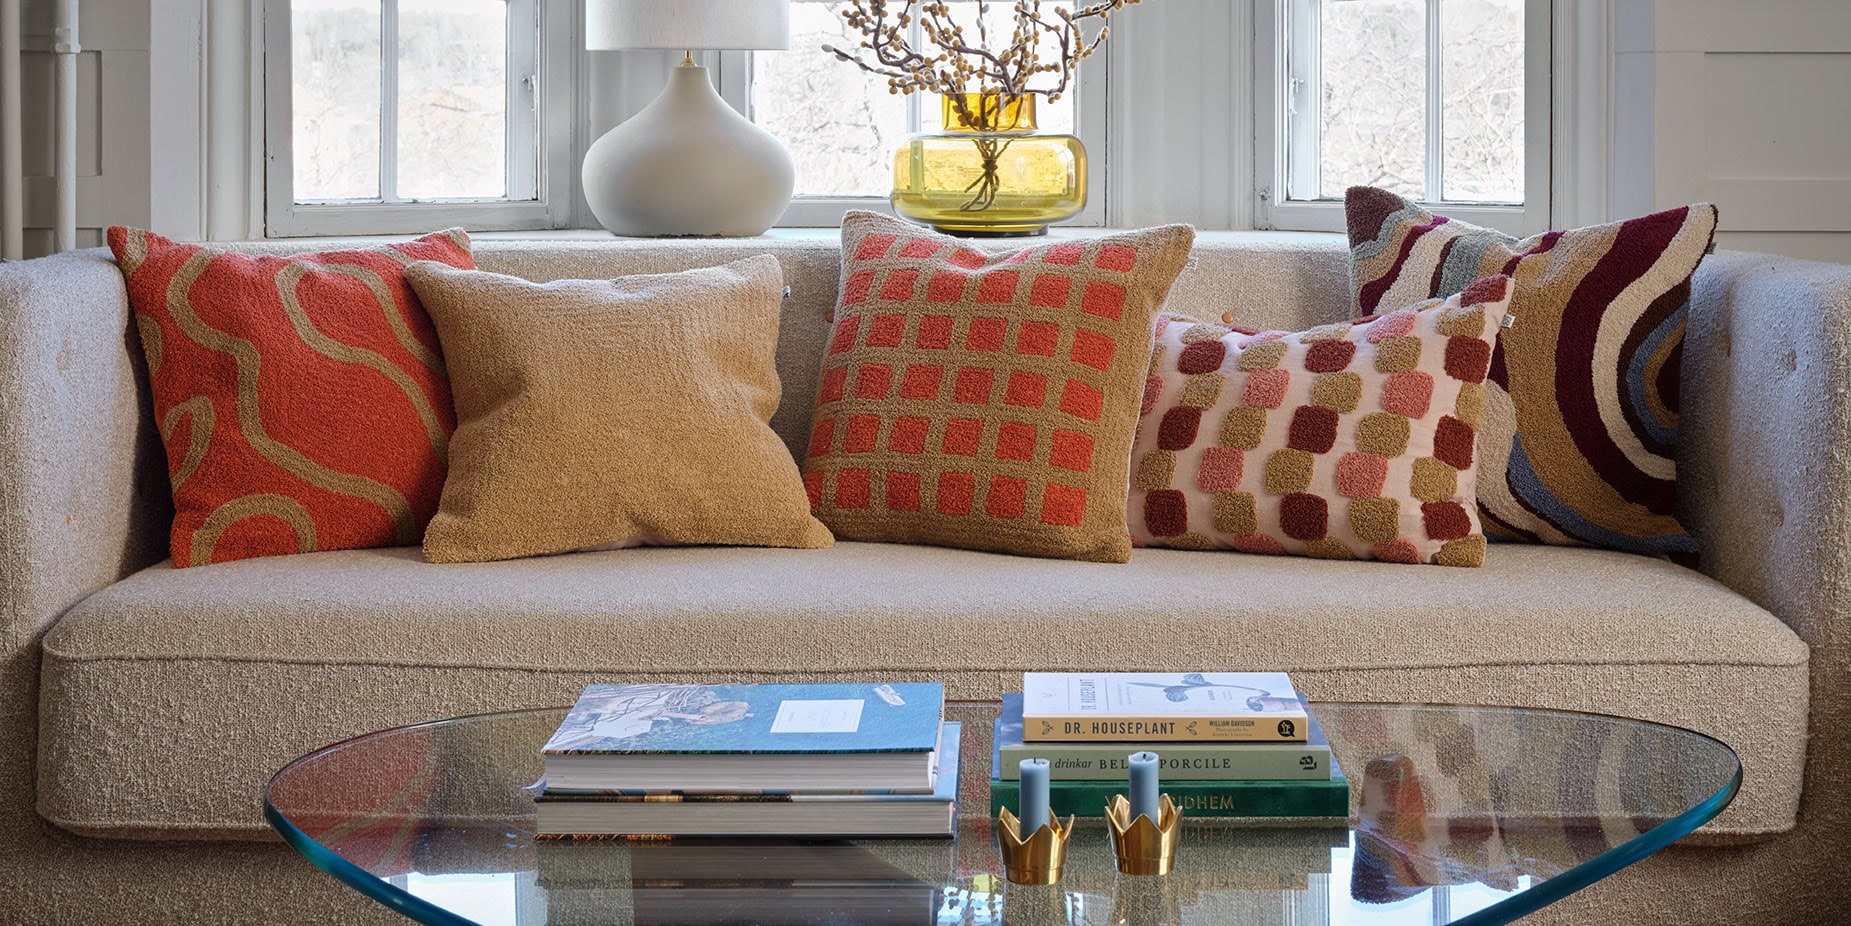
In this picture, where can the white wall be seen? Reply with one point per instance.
(1744, 104)
(1747, 104)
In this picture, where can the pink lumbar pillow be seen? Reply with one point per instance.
(1355, 440)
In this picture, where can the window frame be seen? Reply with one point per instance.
(1274, 128)
(1089, 89)
(544, 183)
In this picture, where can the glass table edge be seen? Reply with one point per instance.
(372, 886)
(1505, 911)
(1607, 863)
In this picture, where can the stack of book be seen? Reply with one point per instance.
(1230, 744)
(767, 882)
(752, 760)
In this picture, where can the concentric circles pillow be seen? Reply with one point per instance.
(1349, 441)
(1581, 418)
(986, 401)
(303, 400)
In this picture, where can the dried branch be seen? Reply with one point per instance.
(953, 65)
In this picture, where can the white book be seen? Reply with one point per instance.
(1161, 706)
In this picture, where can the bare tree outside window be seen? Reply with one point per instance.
(1377, 67)
(443, 81)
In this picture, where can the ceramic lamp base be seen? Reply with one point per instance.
(688, 165)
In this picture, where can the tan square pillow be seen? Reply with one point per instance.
(594, 414)
(986, 401)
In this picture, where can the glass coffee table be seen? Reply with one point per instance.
(1459, 815)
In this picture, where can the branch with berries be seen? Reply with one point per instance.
(954, 61)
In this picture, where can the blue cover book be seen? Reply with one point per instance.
(932, 813)
(944, 787)
(752, 719)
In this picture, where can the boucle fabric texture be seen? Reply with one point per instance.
(986, 401)
(609, 413)
(1582, 414)
(1353, 440)
(84, 502)
(378, 637)
(302, 400)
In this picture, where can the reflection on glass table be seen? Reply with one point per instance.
(1460, 815)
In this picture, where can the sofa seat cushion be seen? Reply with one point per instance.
(169, 698)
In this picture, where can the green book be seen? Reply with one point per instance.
(1328, 798)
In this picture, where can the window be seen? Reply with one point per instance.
(842, 126)
(1442, 101)
(406, 115)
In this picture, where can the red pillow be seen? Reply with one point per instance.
(302, 400)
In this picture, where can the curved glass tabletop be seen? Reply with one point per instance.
(1459, 815)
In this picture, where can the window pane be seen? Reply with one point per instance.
(452, 99)
(841, 125)
(334, 87)
(1372, 61)
(1481, 65)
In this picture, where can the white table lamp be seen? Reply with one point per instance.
(688, 164)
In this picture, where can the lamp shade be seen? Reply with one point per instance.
(678, 25)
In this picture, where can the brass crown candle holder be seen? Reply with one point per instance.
(1037, 859)
(1144, 847)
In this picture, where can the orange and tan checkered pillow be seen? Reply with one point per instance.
(986, 402)
(1350, 441)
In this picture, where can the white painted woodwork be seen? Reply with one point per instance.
(12, 142)
(1747, 105)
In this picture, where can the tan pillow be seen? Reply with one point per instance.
(594, 414)
(986, 401)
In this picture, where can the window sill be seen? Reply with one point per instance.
(829, 234)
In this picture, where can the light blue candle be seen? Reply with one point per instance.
(1144, 786)
(1034, 791)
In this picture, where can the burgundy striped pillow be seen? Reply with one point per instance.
(1581, 417)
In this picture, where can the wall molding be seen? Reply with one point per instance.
(1582, 113)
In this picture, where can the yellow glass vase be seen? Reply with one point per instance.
(989, 173)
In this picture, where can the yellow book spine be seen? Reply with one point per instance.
(1075, 728)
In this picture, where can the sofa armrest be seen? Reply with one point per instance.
(1764, 461)
(83, 490)
(1764, 471)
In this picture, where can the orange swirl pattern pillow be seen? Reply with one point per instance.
(302, 400)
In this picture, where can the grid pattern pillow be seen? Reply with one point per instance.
(1581, 420)
(1349, 441)
(303, 400)
(986, 402)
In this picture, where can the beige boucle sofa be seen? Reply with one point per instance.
(142, 707)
